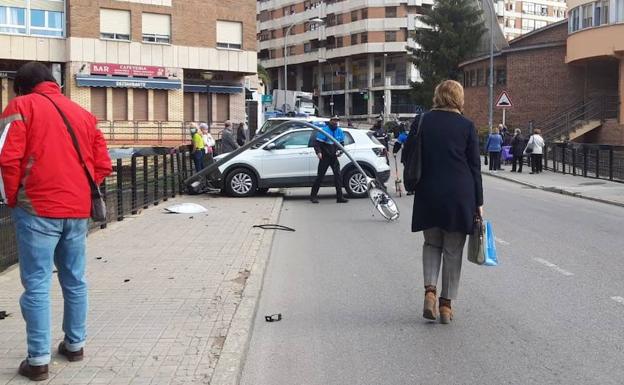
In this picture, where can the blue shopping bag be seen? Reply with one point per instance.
(491, 259)
(507, 153)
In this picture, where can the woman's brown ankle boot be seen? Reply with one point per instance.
(429, 308)
(446, 313)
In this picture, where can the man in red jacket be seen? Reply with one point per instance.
(44, 182)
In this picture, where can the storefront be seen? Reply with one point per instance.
(119, 92)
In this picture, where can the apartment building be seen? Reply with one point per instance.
(351, 54)
(519, 17)
(137, 62)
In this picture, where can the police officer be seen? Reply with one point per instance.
(328, 154)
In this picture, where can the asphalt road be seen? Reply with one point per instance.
(349, 286)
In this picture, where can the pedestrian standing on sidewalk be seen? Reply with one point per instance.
(45, 184)
(241, 135)
(448, 196)
(494, 146)
(517, 151)
(535, 147)
(228, 140)
(328, 153)
(209, 143)
(198, 150)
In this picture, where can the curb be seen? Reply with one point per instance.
(230, 364)
(554, 190)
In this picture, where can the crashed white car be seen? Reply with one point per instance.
(287, 159)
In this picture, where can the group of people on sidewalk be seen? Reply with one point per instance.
(518, 148)
(204, 145)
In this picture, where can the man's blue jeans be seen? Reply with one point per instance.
(42, 243)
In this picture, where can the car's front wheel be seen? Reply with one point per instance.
(355, 184)
(241, 182)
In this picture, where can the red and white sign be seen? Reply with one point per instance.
(504, 101)
(128, 70)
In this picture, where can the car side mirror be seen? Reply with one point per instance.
(270, 147)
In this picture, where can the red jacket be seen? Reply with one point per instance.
(41, 171)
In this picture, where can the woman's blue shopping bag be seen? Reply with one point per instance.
(491, 258)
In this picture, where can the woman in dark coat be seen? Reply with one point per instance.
(517, 151)
(448, 196)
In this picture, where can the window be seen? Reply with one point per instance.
(354, 39)
(230, 34)
(619, 11)
(114, 24)
(223, 107)
(391, 11)
(47, 23)
(12, 20)
(354, 15)
(501, 76)
(391, 36)
(574, 23)
(540, 24)
(139, 104)
(294, 140)
(161, 105)
(364, 37)
(528, 24)
(588, 16)
(339, 19)
(365, 13)
(120, 104)
(339, 42)
(528, 8)
(307, 47)
(156, 28)
(98, 102)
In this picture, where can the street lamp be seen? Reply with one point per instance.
(207, 76)
(491, 83)
(316, 20)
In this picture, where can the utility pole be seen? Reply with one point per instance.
(491, 83)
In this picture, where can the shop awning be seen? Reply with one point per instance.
(215, 89)
(129, 82)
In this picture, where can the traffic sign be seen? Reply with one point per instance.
(504, 101)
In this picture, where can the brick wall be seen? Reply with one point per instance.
(611, 132)
(193, 21)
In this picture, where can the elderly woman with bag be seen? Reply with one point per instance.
(448, 195)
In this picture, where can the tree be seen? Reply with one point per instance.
(264, 76)
(456, 29)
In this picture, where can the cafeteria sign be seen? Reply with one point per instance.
(128, 70)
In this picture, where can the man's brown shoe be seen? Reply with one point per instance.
(446, 313)
(71, 356)
(34, 373)
(429, 308)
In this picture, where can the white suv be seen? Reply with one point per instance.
(287, 159)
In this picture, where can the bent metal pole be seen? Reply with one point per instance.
(382, 201)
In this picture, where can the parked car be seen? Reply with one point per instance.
(287, 159)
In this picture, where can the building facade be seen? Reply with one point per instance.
(355, 61)
(519, 17)
(566, 76)
(137, 64)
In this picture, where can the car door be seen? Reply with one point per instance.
(286, 160)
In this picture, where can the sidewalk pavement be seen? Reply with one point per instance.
(172, 297)
(588, 188)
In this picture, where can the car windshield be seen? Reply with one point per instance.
(371, 136)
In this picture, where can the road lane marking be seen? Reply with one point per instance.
(554, 267)
(501, 241)
(618, 299)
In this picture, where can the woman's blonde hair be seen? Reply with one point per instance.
(537, 131)
(495, 130)
(449, 94)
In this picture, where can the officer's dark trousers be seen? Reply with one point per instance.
(324, 164)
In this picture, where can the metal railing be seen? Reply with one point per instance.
(589, 160)
(559, 127)
(147, 133)
(135, 184)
